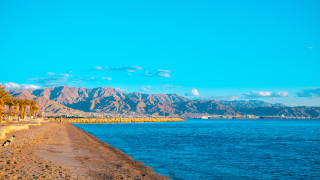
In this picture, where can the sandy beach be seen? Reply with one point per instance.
(62, 151)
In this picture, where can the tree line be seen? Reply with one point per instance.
(16, 107)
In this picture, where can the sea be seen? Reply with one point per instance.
(220, 148)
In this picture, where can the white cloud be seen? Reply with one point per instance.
(132, 69)
(148, 74)
(119, 89)
(163, 74)
(162, 70)
(125, 68)
(194, 92)
(136, 67)
(233, 98)
(65, 75)
(145, 89)
(312, 92)
(222, 98)
(159, 73)
(259, 94)
(60, 74)
(50, 81)
(281, 94)
(12, 85)
(107, 78)
(98, 67)
(30, 86)
(265, 94)
(169, 86)
(159, 88)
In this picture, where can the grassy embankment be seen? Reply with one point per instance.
(115, 120)
(7, 128)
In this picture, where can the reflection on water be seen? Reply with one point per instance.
(223, 149)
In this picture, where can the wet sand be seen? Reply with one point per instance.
(63, 151)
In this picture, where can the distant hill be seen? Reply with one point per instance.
(45, 104)
(73, 100)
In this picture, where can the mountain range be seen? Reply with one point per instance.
(73, 100)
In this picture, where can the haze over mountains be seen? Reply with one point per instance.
(72, 100)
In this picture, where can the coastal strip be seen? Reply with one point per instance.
(115, 120)
(9, 127)
(60, 150)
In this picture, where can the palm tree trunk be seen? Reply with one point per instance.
(0, 115)
(31, 111)
(1, 109)
(21, 112)
(15, 111)
(24, 111)
(9, 113)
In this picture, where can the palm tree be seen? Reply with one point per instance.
(4, 95)
(16, 104)
(9, 103)
(35, 110)
(32, 105)
(26, 103)
(22, 105)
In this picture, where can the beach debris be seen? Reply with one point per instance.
(8, 141)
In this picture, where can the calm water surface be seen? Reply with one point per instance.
(220, 149)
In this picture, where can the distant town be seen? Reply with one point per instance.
(250, 117)
(134, 115)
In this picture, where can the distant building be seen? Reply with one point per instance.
(217, 117)
(270, 117)
(251, 116)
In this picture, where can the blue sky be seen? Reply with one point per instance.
(266, 50)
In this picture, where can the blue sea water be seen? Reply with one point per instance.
(220, 149)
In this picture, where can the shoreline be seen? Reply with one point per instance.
(115, 120)
(60, 150)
